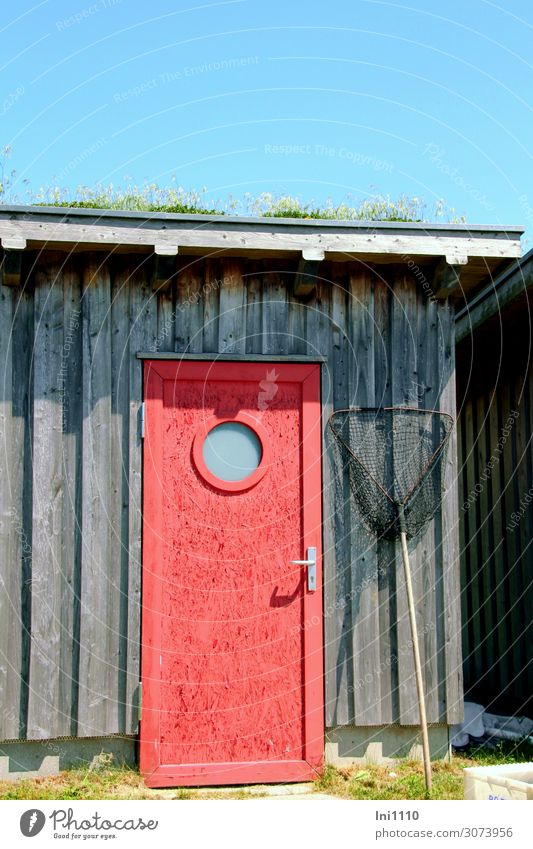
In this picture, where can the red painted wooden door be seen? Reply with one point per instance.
(231, 634)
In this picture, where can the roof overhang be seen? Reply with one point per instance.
(462, 256)
(503, 299)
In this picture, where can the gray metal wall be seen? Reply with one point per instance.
(70, 472)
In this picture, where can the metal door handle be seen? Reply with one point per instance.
(311, 568)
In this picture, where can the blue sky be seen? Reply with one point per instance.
(316, 99)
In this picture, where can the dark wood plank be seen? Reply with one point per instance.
(143, 330)
(10, 268)
(498, 533)
(527, 677)
(347, 611)
(369, 666)
(121, 355)
(297, 343)
(72, 423)
(450, 536)
(486, 550)
(511, 550)
(166, 317)
(189, 309)
(98, 705)
(337, 610)
(232, 313)
(211, 302)
(44, 716)
(254, 312)
(430, 555)
(520, 577)
(13, 539)
(385, 549)
(405, 392)
(23, 337)
(275, 314)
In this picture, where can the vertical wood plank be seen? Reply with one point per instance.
(189, 309)
(45, 718)
(275, 314)
(22, 424)
(71, 383)
(143, 329)
(337, 609)
(121, 355)
(14, 543)
(211, 301)
(516, 584)
(498, 531)
(483, 575)
(405, 392)
(450, 535)
(493, 542)
(511, 547)
(254, 312)
(335, 305)
(297, 343)
(525, 484)
(469, 507)
(232, 315)
(166, 316)
(98, 711)
(430, 554)
(390, 710)
(527, 677)
(370, 667)
(463, 531)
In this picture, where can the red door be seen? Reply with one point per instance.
(231, 629)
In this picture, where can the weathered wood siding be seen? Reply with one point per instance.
(495, 399)
(70, 465)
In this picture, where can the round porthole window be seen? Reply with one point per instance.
(232, 451)
(232, 454)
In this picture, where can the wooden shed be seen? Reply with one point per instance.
(166, 385)
(495, 429)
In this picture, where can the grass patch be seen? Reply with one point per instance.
(153, 199)
(111, 783)
(401, 781)
(150, 197)
(75, 784)
(405, 780)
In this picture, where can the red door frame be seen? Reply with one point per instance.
(161, 775)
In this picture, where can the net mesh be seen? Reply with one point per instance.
(395, 459)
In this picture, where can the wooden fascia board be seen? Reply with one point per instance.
(171, 236)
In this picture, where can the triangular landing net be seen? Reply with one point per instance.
(396, 461)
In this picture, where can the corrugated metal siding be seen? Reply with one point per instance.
(70, 463)
(496, 516)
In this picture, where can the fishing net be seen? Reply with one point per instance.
(395, 458)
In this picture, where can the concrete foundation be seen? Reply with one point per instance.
(31, 758)
(344, 746)
(383, 744)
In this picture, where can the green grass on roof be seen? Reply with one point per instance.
(151, 197)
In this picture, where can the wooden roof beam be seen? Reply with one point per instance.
(447, 276)
(163, 268)
(11, 267)
(307, 271)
